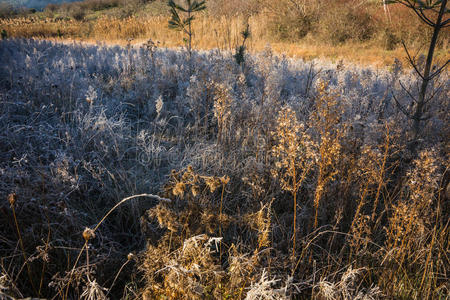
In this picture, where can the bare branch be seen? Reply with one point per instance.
(412, 61)
(402, 109)
(435, 92)
(426, 19)
(438, 70)
(427, 117)
(408, 92)
(416, 10)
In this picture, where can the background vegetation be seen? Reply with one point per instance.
(361, 32)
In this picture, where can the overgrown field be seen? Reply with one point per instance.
(274, 179)
(361, 32)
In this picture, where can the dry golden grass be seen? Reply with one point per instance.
(209, 33)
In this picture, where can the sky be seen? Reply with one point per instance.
(38, 4)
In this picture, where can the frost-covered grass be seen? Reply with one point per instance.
(83, 126)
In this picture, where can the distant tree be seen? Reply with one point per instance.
(184, 23)
(78, 13)
(6, 10)
(51, 8)
(433, 13)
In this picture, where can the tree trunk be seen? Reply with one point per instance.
(418, 114)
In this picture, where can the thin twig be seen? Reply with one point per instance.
(411, 61)
(401, 107)
(439, 70)
(408, 92)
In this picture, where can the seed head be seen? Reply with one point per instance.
(195, 190)
(212, 182)
(179, 188)
(12, 198)
(88, 234)
(224, 179)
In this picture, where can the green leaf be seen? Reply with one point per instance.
(181, 8)
(171, 3)
(421, 3)
(176, 26)
(188, 20)
(198, 6)
(428, 4)
(175, 21)
(246, 32)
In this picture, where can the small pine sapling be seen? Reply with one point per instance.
(239, 56)
(184, 24)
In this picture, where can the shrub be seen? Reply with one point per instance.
(232, 8)
(342, 23)
(51, 7)
(6, 10)
(96, 5)
(78, 13)
(291, 27)
(291, 22)
(389, 39)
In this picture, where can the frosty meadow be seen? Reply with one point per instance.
(284, 178)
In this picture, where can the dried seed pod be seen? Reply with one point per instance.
(195, 190)
(147, 295)
(179, 188)
(212, 182)
(225, 179)
(12, 198)
(88, 234)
